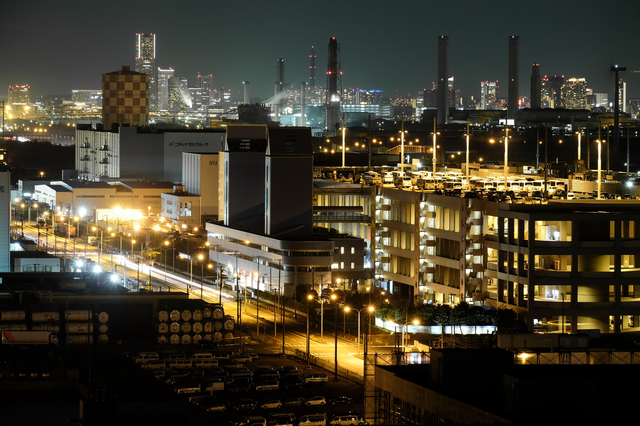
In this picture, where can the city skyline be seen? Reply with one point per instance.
(381, 48)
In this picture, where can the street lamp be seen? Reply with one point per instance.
(506, 156)
(334, 299)
(201, 259)
(309, 298)
(370, 309)
(132, 243)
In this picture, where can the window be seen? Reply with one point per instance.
(341, 265)
(341, 250)
(353, 265)
(353, 250)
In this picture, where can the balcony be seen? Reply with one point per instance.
(85, 158)
(104, 147)
(105, 160)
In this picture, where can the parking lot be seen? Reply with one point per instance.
(238, 388)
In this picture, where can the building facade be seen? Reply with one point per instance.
(574, 94)
(146, 64)
(125, 98)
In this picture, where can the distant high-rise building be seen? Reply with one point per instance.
(197, 98)
(551, 91)
(536, 86)
(622, 96)
(312, 68)
(454, 95)
(163, 87)
(179, 96)
(89, 98)
(245, 99)
(19, 95)
(206, 83)
(360, 96)
(443, 75)
(146, 64)
(125, 98)
(514, 76)
(598, 100)
(279, 88)
(488, 94)
(574, 94)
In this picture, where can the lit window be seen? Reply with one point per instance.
(353, 251)
(341, 265)
(341, 250)
(353, 265)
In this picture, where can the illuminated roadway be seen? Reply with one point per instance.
(295, 329)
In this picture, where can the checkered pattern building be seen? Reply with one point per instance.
(125, 98)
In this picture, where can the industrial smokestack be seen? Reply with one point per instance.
(514, 73)
(276, 103)
(312, 68)
(535, 86)
(334, 88)
(443, 83)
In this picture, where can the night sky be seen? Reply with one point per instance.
(59, 46)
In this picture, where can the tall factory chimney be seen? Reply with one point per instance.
(246, 92)
(303, 121)
(279, 88)
(514, 73)
(535, 86)
(334, 88)
(312, 68)
(443, 76)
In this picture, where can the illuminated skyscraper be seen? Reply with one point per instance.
(488, 94)
(179, 96)
(146, 64)
(551, 91)
(574, 94)
(622, 96)
(163, 88)
(19, 95)
(206, 83)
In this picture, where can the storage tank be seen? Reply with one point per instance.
(185, 327)
(103, 339)
(175, 327)
(208, 327)
(218, 325)
(77, 315)
(162, 340)
(186, 339)
(217, 337)
(186, 315)
(208, 337)
(46, 327)
(174, 339)
(12, 316)
(228, 337)
(45, 316)
(218, 313)
(196, 339)
(103, 328)
(197, 327)
(229, 324)
(15, 326)
(103, 317)
(78, 339)
(197, 315)
(207, 313)
(163, 316)
(79, 327)
(163, 328)
(174, 315)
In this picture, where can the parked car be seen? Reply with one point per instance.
(291, 383)
(241, 358)
(341, 400)
(316, 378)
(347, 419)
(187, 388)
(216, 405)
(316, 400)
(296, 401)
(251, 421)
(271, 403)
(244, 404)
(267, 384)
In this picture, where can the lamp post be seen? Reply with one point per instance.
(434, 149)
(506, 156)
(201, 259)
(309, 297)
(132, 243)
(599, 142)
(166, 243)
(347, 309)
(334, 299)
